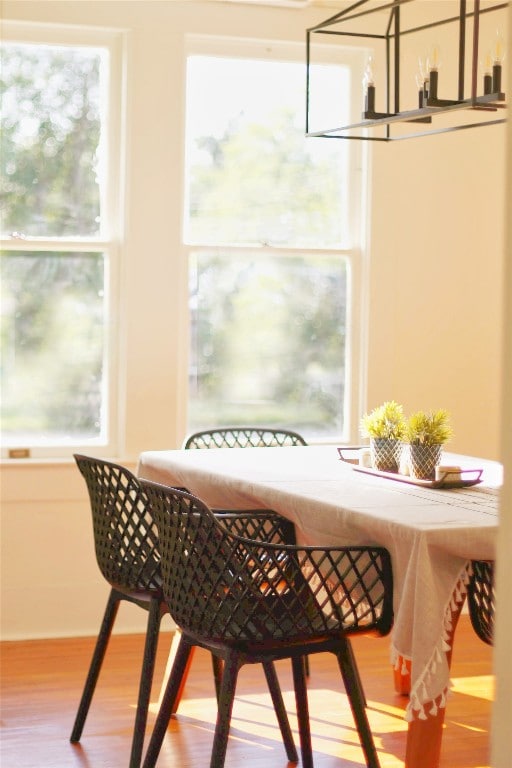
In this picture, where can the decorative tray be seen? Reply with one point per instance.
(462, 478)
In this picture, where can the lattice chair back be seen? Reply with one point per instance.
(244, 437)
(228, 588)
(125, 537)
(126, 546)
(481, 599)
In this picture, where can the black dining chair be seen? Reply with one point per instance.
(481, 599)
(126, 546)
(128, 555)
(246, 437)
(243, 437)
(249, 601)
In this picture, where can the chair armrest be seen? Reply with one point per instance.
(347, 587)
(352, 585)
(258, 525)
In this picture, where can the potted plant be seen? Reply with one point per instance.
(385, 426)
(426, 433)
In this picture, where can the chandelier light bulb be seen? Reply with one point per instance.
(434, 59)
(423, 73)
(420, 83)
(499, 48)
(433, 64)
(369, 76)
(488, 73)
(498, 57)
(369, 87)
(423, 68)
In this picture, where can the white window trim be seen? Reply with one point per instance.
(112, 217)
(358, 272)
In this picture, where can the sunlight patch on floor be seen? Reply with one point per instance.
(332, 726)
(467, 727)
(481, 686)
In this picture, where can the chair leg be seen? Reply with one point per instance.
(146, 680)
(109, 618)
(282, 716)
(225, 708)
(301, 703)
(168, 667)
(352, 684)
(358, 681)
(168, 702)
(217, 674)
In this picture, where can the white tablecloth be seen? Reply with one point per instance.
(431, 534)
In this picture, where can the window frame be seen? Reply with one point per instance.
(356, 254)
(106, 242)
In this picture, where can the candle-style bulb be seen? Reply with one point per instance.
(369, 88)
(433, 65)
(434, 59)
(499, 48)
(498, 57)
(369, 76)
(487, 73)
(420, 83)
(422, 64)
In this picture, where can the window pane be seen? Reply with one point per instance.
(268, 340)
(50, 145)
(53, 347)
(252, 175)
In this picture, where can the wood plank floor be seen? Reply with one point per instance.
(41, 684)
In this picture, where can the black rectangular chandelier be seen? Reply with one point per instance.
(416, 94)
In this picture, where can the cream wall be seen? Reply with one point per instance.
(436, 242)
(501, 734)
(436, 276)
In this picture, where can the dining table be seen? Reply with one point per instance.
(432, 534)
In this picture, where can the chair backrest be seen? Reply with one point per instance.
(243, 437)
(226, 587)
(125, 537)
(481, 599)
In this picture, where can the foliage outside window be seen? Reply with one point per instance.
(269, 228)
(51, 131)
(55, 258)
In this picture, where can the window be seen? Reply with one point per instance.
(272, 228)
(58, 256)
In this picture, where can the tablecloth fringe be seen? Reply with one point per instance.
(422, 702)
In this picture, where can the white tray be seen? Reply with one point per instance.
(464, 478)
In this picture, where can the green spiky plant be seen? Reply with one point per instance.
(385, 421)
(428, 428)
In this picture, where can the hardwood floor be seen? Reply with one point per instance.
(42, 681)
